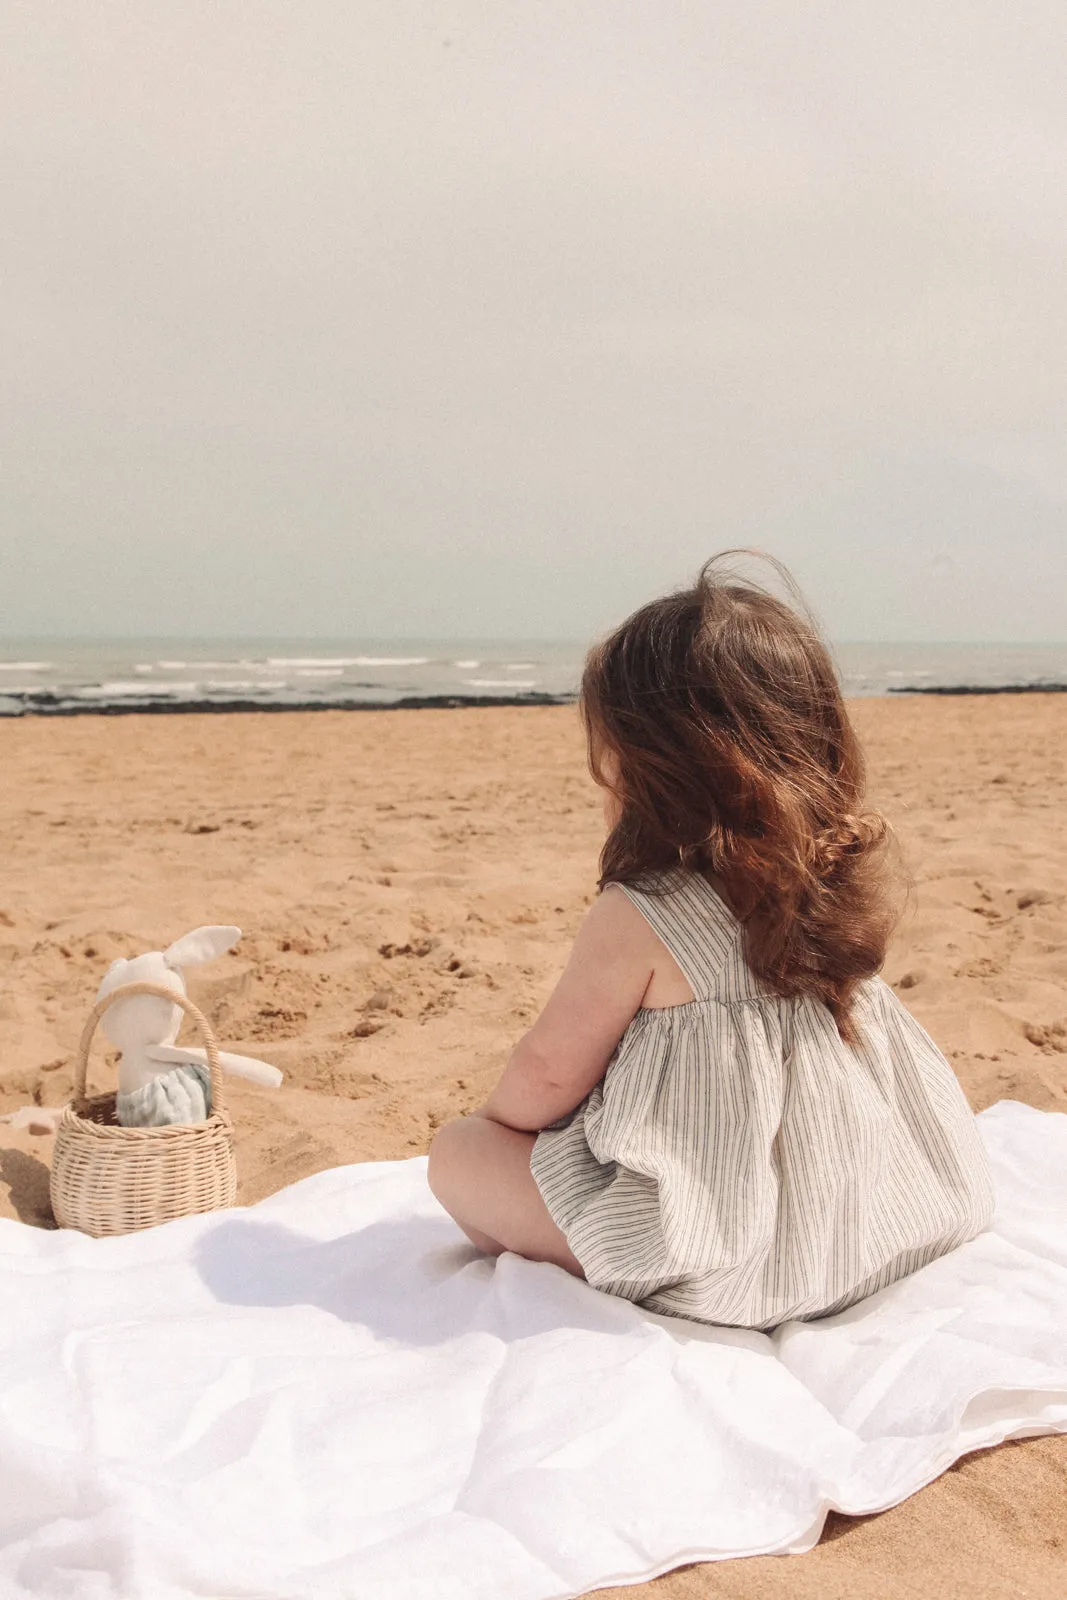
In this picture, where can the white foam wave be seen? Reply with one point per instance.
(320, 672)
(205, 666)
(347, 661)
(25, 666)
(391, 661)
(245, 683)
(501, 683)
(224, 666)
(466, 666)
(520, 666)
(116, 691)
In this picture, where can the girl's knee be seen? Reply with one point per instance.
(442, 1164)
(437, 1160)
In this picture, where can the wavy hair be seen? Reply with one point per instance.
(735, 757)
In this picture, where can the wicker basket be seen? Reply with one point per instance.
(107, 1179)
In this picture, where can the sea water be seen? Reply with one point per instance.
(65, 677)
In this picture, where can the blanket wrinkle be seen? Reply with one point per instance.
(479, 1443)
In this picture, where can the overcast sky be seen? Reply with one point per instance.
(373, 317)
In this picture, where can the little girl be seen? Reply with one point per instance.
(722, 1113)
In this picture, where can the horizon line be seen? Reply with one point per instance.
(448, 639)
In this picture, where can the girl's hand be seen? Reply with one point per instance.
(566, 1052)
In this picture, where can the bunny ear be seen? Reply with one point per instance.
(203, 944)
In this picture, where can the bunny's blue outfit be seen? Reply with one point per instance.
(182, 1094)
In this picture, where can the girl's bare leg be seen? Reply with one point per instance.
(480, 1172)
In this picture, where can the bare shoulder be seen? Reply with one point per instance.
(600, 989)
(614, 911)
(619, 922)
(614, 934)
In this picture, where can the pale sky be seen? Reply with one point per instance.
(381, 318)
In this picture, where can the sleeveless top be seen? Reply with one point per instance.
(739, 1163)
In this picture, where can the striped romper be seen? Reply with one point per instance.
(739, 1164)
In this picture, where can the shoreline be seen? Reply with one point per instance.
(979, 688)
(151, 708)
(52, 706)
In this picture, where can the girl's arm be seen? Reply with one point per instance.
(566, 1052)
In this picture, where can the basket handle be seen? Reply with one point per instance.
(81, 1063)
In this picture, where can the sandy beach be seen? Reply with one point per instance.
(408, 883)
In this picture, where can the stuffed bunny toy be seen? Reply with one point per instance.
(160, 1081)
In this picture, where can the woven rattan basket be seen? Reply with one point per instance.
(107, 1179)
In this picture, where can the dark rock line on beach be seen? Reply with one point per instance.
(50, 706)
(978, 688)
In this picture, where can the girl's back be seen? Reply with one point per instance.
(739, 1162)
(722, 1111)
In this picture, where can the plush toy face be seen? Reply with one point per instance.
(134, 1025)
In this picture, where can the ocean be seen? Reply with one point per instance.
(49, 677)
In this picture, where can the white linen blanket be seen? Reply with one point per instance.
(331, 1395)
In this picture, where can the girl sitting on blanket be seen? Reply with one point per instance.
(722, 1112)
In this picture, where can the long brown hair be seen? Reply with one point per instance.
(736, 758)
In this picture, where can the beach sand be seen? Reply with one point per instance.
(408, 883)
